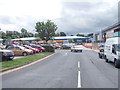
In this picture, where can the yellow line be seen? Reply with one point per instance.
(12, 70)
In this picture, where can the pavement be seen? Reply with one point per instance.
(65, 69)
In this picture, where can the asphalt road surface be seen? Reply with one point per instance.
(65, 69)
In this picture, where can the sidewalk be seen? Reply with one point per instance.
(95, 50)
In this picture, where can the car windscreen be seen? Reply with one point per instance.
(21, 47)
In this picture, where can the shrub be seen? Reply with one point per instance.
(49, 48)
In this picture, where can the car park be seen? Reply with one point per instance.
(33, 49)
(40, 48)
(19, 50)
(6, 54)
(76, 48)
(112, 51)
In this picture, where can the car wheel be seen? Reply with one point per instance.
(24, 54)
(100, 56)
(116, 63)
(103, 56)
(106, 59)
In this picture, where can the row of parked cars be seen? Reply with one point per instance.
(14, 50)
(110, 51)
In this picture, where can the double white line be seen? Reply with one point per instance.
(79, 77)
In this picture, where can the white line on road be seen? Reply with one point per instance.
(66, 53)
(79, 77)
(78, 64)
(79, 80)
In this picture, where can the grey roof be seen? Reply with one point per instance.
(116, 25)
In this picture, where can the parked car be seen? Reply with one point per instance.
(67, 45)
(19, 50)
(112, 51)
(56, 46)
(101, 51)
(76, 48)
(6, 54)
(40, 48)
(33, 49)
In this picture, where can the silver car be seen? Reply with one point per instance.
(76, 48)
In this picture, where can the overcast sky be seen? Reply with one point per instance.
(71, 16)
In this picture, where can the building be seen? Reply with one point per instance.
(74, 38)
(111, 31)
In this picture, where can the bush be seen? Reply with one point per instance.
(49, 48)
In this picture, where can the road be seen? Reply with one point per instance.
(65, 69)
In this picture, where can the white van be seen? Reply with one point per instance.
(112, 50)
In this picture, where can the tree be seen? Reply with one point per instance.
(24, 32)
(62, 34)
(30, 34)
(3, 35)
(46, 29)
(90, 35)
(80, 35)
(57, 34)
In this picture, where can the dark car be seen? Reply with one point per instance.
(67, 45)
(6, 54)
(101, 51)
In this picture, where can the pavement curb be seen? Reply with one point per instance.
(95, 50)
(27, 64)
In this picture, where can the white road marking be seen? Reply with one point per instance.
(79, 77)
(79, 80)
(78, 64)
(66, 53)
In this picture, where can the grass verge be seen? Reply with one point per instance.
(22, 61)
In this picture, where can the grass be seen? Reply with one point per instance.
(22, 61)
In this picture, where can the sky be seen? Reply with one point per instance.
(71, 16)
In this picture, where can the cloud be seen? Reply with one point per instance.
(87, 17)
(71, 16)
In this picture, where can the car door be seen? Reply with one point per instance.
(113, 53)
(11, 48)
(108, 51)
(18, 51)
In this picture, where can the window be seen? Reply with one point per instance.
(17, 48)
(10, 48)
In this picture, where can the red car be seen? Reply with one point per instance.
(31, 48)
(40, 48)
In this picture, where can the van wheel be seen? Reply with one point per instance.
(100, 56)
(24, 54)
(106, 59)
(116, 63)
